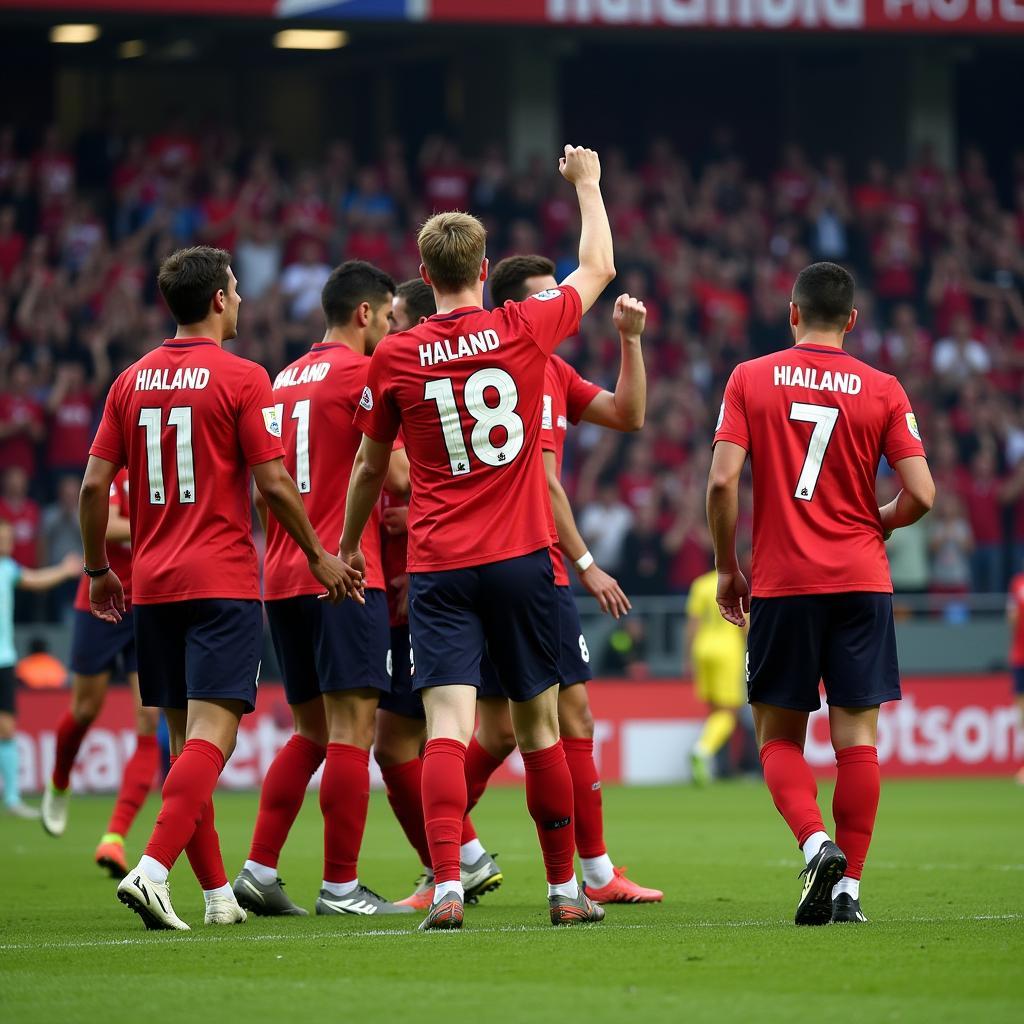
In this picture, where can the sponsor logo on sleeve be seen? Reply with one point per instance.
(546, 418)
(271, 421)
(548, 295)
(366, 400)
(913, 427)
(721, 417)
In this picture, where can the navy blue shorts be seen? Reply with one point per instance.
(509, 608)
(1018, 679)
(326, 648)
(98, 647)
(846, 640)
(403, 699)
(202, 649)
(573, 653)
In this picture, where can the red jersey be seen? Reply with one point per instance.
(188, 420)
(467, 389)
(566, 397)
(394, 553)
(816, 421)
(316, 399)
(1016, 597)
(119, 555)
(71, 432)
(24, 519)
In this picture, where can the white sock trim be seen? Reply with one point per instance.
(262, 874)
(153, 870)
(848, 885)
(442, 889)
(597, 871)
(471, 852)
(570, 888)
(211, 894)
(340, 888)
(813, 844)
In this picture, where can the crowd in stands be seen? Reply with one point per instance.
(711, 248)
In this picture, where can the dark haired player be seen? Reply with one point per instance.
(336, 661)
(816, 422)
(568, 398)
(96, 649)
(191, 422)
(466, 390)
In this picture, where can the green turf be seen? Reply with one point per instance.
(944, 890)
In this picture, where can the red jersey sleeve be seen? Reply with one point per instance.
(902, 435)
(551, 316)
(109, 440)
(579, 393)
(259, 429)
(377, 416)
(732, 417)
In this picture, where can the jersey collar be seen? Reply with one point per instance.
(188, 342)
(824, 349)
(455, 313)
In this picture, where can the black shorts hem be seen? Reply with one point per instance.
(574, 681)
(788, 705)
(534, 692)
(869, 702)
(425, 684)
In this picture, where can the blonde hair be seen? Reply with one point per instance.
(452, 247)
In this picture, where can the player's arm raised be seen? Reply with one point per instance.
(582, 168)
(723, 505)
(282, 497)
(599, 584)
(106, 596)
(625, 409)
(369, 471)
(916, 496)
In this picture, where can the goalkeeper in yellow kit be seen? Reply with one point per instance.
(717, 651)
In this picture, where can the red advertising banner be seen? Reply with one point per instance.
(955, 726)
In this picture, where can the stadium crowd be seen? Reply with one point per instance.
(710, 247)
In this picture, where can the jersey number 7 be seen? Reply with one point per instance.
(486, 418)
(824, 418)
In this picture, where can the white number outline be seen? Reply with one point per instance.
(824, 418)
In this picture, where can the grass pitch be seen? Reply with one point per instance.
(944, 890)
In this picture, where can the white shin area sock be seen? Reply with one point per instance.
(224, 890)
(848, 885)
(340, 888)
(597, 871)
(153, 870)
(443, 889)
(813, 844)
(570, 888)
(262, 874)
(471, 852)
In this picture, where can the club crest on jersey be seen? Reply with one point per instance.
(915, 431)
(366, 399)
(548, 295)
(271, 421)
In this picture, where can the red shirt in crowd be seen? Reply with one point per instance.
(316, 398)
(189, 420)
(71, 432)
(119, 555)
(466, 388)
(24, 519)
(20, 449)
(816, 422)
(984, 509)
(566, 397)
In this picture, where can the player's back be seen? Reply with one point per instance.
(315, 399)
(467, 389)
(189, 419)
(816, 422)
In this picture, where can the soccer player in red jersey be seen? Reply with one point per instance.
(816, 422)
(466, 390)
(568, 398)
(1015, 615)
(401, 721)
(192, 422)
(96, 649)
(336, 661)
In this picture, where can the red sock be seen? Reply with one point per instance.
(855, 804)
(480, 766)
(791, 783)
(203, 852)
(281, 796)
(549, 798)
(444, 805)
(345, 800)
(403, 783)
(586, 796)
(468, 830)
(70, 733)
(188, 788)
(136, 783)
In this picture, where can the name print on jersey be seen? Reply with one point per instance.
(310, 374)
(447, 349)
(186, 378)
(807, 377)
